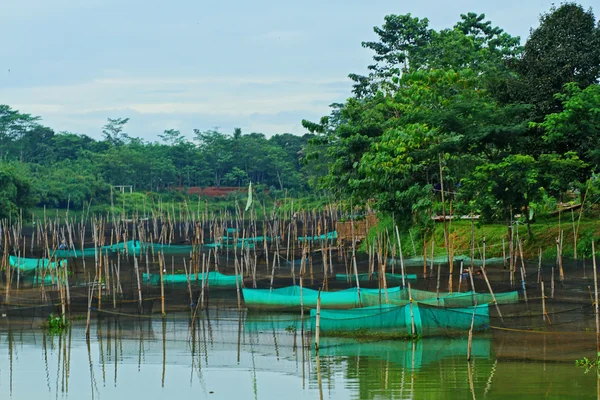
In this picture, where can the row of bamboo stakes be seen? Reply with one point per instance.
(48, 234)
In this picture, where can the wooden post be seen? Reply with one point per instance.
(559, 256)
(318, 321)
(470, 340)
(544, 313)
(412, 314)
(354, 264)
(401, 258)
(596, 300)
(523, 286)
(460, 276)
(488, 284)
(204, 278)
(162, 285)
(89, 309)
(473, 286)
(139, 287)
(552, 283)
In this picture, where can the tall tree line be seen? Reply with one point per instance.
(41, 167)
(468, 115)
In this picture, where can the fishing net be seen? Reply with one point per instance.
(402, 320)
(212, 279)
(391, 279)
(29, 265)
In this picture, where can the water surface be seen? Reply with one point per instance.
(226, 356)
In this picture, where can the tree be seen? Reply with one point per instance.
(36, 145)
(172, 137)
(500, 190)
(114, 133)
(216, 148)
(400, 37)
(15, 189)
(406, 44)
(577, 127)
(564, 48)
(13, 126)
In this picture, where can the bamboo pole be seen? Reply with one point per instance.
(488, 284)
(412, 314)
(596, 300)
(318, 321)
(355, 267)
(89, 310)
(523, 286)
(401, 258)
(162, 285)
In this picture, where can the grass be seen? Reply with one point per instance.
(544, 233)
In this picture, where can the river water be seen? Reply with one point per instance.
(253, 356)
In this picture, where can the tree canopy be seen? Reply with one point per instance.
(468, 111)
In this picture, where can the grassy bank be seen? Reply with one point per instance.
(544, 233)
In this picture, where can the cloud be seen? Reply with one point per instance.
(260, 104)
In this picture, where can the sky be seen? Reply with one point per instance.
(261, 65)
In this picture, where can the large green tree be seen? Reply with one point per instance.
(564, 48)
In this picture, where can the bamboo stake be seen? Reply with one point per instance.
(488, 284)
(412, 314)
(596, 300)
(162, 285)
(204, 281)
(139, 287)
(318, 321)
(523, 286)
(401, 258)
(89, 309)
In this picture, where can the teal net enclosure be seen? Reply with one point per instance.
(229, 245)
(168, 248)
(74, 253)
(399, 296)
(391, 279)
(454, 299)
(29, 265)
(399, 321)
(292, 297)
(326, 236)
(418, 261)
(212, 279)
(466, 299)
(251, 239)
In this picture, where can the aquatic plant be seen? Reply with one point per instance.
(589, 364)
(56, 324)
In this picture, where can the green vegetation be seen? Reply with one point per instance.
(588, 364)
(39, 167)
(56, 324)
(459, 121)
(466, 119)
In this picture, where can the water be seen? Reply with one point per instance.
(258, 357)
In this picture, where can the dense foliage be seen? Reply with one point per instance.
(41, 167)
(469, 116)
(466, 119)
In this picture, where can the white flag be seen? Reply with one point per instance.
(249, 203)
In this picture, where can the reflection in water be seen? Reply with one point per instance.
(262, 357)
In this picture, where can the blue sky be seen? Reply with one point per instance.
(261, 65)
